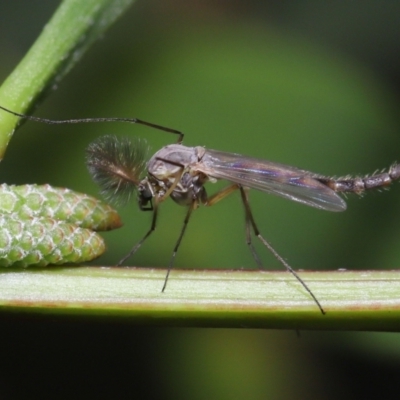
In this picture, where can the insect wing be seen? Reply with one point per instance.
(279, 179)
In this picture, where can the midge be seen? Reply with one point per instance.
(180, 172)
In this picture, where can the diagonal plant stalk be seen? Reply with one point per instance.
(353, 300)
(75, 26)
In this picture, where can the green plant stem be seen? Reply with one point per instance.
(358, 300)
(75, 25)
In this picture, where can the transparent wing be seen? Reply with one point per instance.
(281, 180)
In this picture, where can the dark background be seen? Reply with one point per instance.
(307, 83)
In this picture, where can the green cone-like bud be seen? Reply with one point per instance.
(31, 201)
(42, 241)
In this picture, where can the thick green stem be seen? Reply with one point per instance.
(366, 300)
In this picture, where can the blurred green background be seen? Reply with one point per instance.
(307, 83)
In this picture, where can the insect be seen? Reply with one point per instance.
(180, 172)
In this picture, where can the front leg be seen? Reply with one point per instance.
(149, 232)
(176, 175)
(192, 207)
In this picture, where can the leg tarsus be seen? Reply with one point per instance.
(178, 242)
(250, 220)
(149, 232)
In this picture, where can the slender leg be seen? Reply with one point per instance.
(178, 177)
(211, 201)
(248, 234)
(216, 197)
(154, 220)
(251, 223)
(221, 195)
(150, 231)
(86, 120)
(185, 222)
(250, 220)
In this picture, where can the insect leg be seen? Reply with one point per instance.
(216, 197)
(150, 231)
(222, 194)
(178, 177)
(91, 120)
(153, 223)
(192, 207)
(250, 219)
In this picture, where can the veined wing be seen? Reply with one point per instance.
(279, 179)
